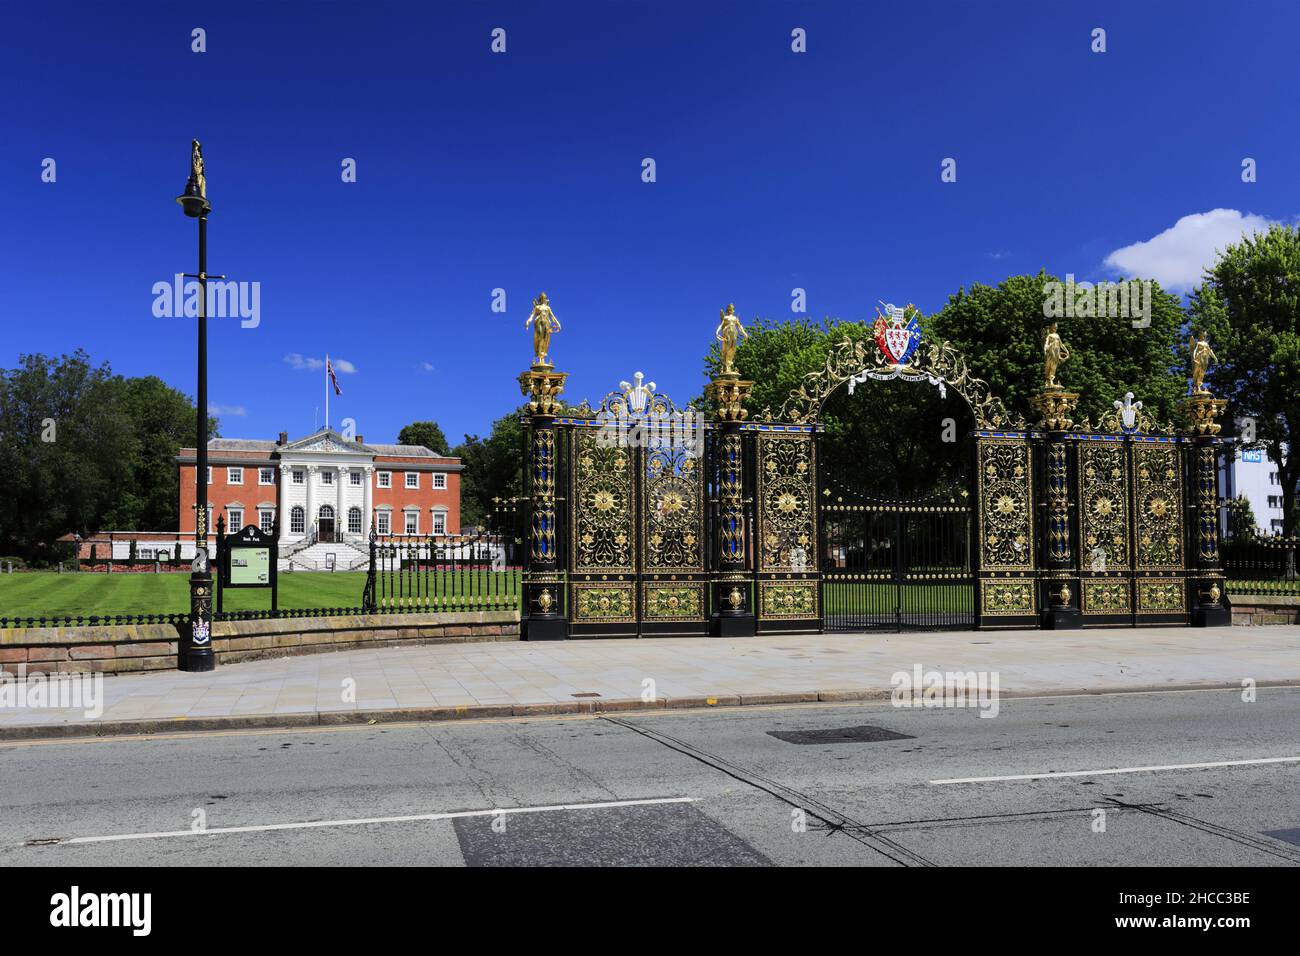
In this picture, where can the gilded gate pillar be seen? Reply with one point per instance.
(544, 588)
(1201, 411)
(1060, 582)
(731, 575)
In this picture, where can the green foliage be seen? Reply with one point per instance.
(428, 434)
(892, 438)
(1242, 524)
(1249, 306)
(493, 468)
(999, 329)
(83, 450)
(918, 441)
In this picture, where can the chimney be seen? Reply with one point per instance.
(361, 439)
(284, 438)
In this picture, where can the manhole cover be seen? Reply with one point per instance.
(839, 735)
(1286, 836)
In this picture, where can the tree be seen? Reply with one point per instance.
(918, 439)
(428, 434)
(1249, 306)
(999, 330)
(64, 449)
(83, 450)
(904, 439)
(1242, 524)
(493, 468)
(162, 420)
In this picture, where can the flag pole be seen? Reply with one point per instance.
(327, 391)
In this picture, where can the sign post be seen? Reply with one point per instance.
(249, 558)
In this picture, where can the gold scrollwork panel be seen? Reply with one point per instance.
(1103, 506)
(1106, 596)
(604, 603)
(791, 600)
(1161, 595)
(1158, 493)
(603, 523)
(786, 503)
(674, 511)
(1005, 497)
(1007, 596)
(673, 601)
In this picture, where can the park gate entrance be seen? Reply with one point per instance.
(645, 519)
(898, 565)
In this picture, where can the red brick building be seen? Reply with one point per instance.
(324, 489)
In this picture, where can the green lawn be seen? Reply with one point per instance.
(37, 594)
(864, 597)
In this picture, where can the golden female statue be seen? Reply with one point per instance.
(196, 168)
(544, 322)
(1202, 356)
(728, 333)
(1054, 353)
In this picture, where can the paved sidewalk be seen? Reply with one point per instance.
(509, 678)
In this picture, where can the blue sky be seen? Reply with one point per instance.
(522, 171)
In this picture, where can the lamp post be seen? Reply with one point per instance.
(195, 651)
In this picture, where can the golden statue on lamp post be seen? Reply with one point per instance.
(1054, 404)
(1202, 356)
(728, 333)
(1054, 353)
(544, 322)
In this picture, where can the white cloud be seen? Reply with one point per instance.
(427, 366)
(299, 361)
(228, 410)
(1177, 257)
(312, 364)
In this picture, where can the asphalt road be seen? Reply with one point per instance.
(686, 788)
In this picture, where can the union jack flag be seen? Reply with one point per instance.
(334, 379)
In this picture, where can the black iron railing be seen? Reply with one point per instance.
(1261, 566)
(406, 574)
(480, 572)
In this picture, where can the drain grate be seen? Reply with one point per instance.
(585, 694)
(865, 734)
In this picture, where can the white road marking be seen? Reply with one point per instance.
(359, 821)
(1099, 773)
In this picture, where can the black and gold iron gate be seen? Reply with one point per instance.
(898, 565)
(636, 533)
(647, 519)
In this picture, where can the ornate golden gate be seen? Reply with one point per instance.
(637, 533)
(649, 519)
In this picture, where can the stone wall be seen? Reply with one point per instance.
(144, 647)
(1265, 609)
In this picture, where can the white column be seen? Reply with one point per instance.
(368, 505)
(282, 507)
(311, 499)
(340, 512)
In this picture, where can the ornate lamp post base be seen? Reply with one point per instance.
(195, 652)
